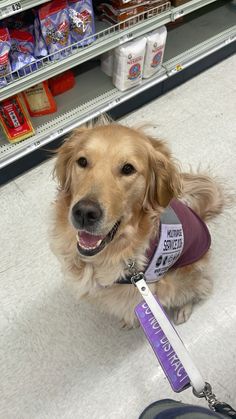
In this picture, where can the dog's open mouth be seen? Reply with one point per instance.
(89, 244)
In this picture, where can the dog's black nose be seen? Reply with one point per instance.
(86, 213)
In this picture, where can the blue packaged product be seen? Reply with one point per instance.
(5, 45)
(22, 51)
(81, 18)
(54, 21)
(40, 47)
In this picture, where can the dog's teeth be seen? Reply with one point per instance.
(89, 247)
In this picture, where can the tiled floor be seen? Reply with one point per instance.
(63, 360)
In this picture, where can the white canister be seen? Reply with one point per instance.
(128, 64)
(107, 60)
(155, 48)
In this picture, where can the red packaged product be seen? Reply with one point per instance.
(15, 119)
(61, 83)
(55, 26)
(39, 100)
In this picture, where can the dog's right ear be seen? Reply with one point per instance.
(62, 170)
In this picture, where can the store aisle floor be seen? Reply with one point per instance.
(63, 360)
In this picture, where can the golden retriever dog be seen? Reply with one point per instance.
(115, 182)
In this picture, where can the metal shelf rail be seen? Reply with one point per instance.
(99, 43)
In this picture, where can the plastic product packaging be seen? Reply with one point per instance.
(107, 63)
(128, 64)
(5, 45)
(22, 51)
(15, 120)
(54, 20)
(39, 100)
(40, 47)
(155, 48)
(81, 17)
(61, 83)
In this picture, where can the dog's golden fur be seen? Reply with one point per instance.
(138, 201)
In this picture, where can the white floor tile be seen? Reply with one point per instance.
(62, 360)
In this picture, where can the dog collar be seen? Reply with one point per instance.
(164, 250)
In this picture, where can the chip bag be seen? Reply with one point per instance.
(55, 27)
(81, 17)
(5, 45)
(22, 51)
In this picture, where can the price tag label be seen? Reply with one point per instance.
(126, 38)
(176, 69)
(16, 7)
(9, 10)
(35, 145)
(179, 67)
(178, 14)
(232, 38)
(114, 103)
(56, 134)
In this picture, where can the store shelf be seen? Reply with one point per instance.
(11, 7)
(95, 94)
(105, 40)
(184, 60)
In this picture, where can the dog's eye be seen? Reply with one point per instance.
(82, 162)
(127, 169)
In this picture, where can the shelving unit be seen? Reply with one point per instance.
(187, 44)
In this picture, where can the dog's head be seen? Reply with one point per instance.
(113, 176)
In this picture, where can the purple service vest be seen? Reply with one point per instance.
(186, 239)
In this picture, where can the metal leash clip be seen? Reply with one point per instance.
(213, 403)
(135, 274)
(208, 394)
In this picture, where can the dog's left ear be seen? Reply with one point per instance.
(164, 178)
(62, 169)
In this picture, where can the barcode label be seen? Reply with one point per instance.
(9, 10)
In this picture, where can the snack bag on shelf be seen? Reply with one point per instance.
(39, 100)
(19, 21)
(40, 47)
(128, 64)
(15, 120)
(116, 11)
(54, 20)
(22, 51)
(61, 83)
(81, 17)
(107, 62)
(5, 45)
(155, 48)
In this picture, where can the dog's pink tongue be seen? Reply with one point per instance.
(88, 240)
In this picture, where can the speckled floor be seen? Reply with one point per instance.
(62, 360)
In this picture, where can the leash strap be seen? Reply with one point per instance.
(164, 326)
(176, 343)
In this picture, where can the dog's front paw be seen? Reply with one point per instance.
(128, 325)
(181, 315)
